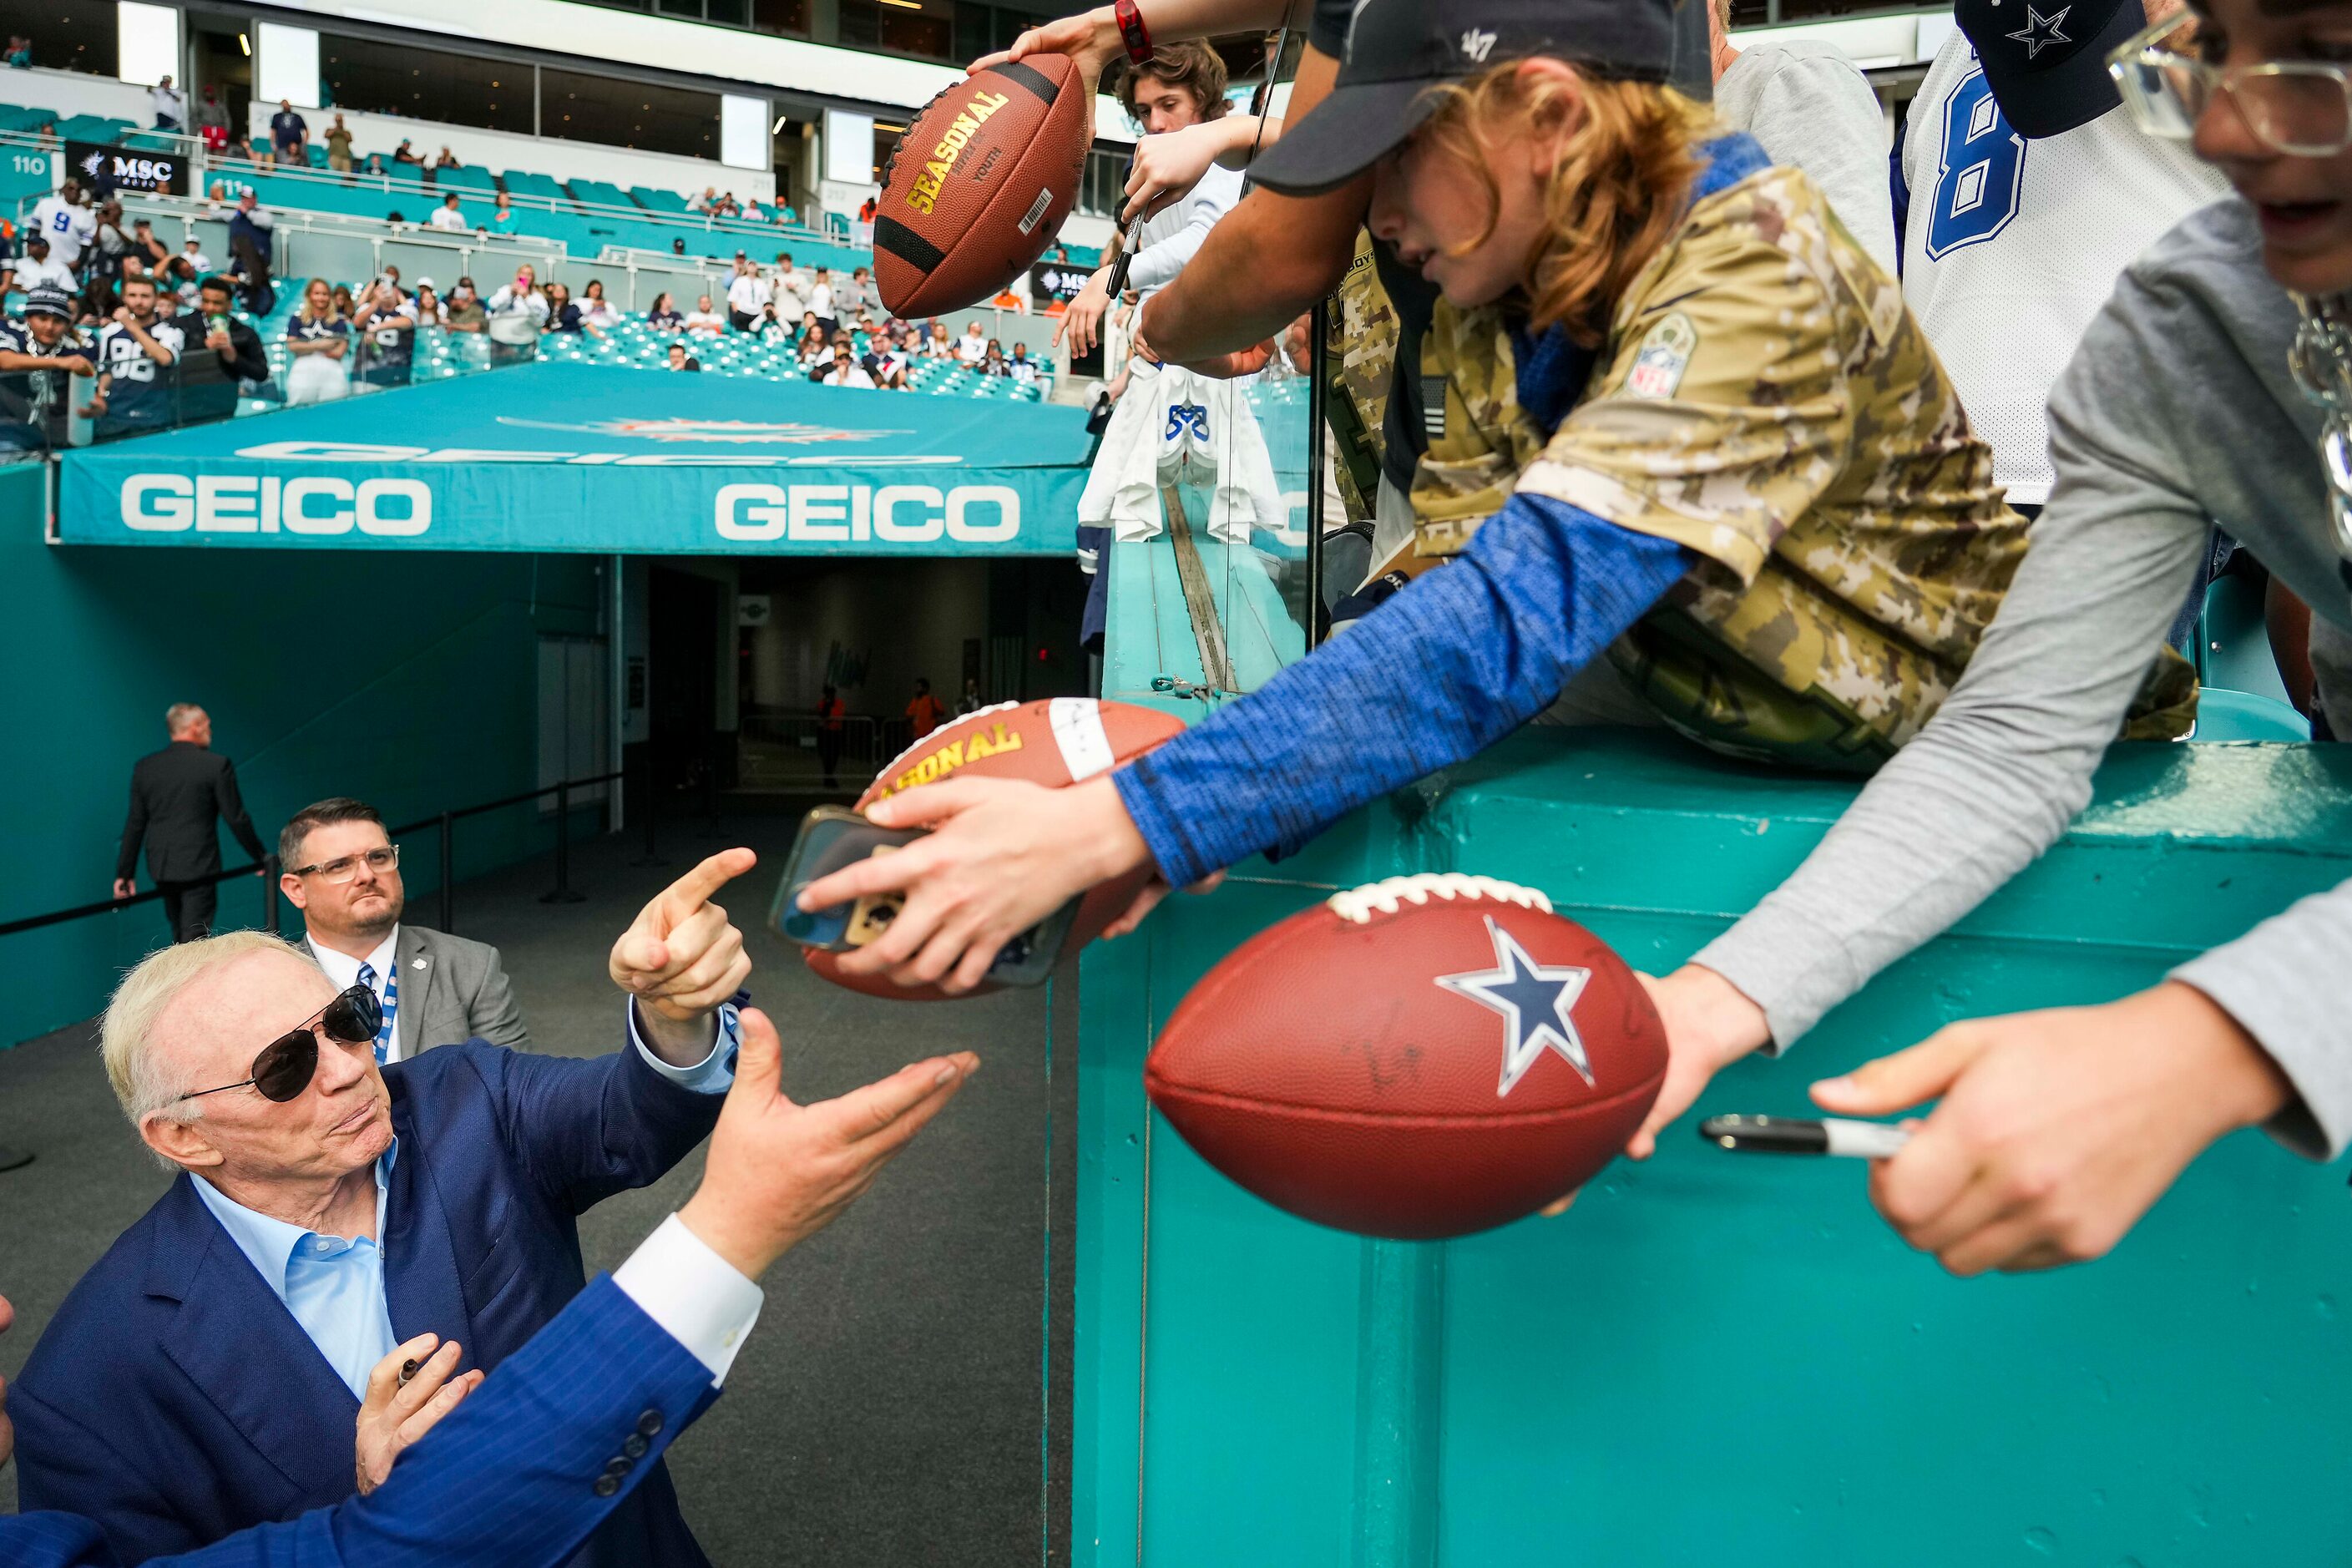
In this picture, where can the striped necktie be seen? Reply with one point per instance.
(391, 995)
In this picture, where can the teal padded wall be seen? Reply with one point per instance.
(409, 680)
(1712, 1356)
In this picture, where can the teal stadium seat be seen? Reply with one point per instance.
(93, 128)
(464, 181)
(524, 183)
(655, 201)
(601, 193)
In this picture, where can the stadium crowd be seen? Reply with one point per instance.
(1647, 412)
(130, 307)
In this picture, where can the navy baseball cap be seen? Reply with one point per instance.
(1398, 49)
(48, 300)
(2046, 60)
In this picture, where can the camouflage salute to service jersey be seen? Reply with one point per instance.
(1763, 398)
(1359, 361)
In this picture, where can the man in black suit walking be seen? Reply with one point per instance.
(175, 795)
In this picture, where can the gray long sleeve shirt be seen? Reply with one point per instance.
(2178, 410)
(1810, 107)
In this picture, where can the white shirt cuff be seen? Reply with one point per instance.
(714, 1073)
(696, 1296)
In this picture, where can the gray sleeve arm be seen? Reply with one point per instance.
(1841, 146)
(2006, 762)
(1157, 265)
(493, 1014)
(2273, 982)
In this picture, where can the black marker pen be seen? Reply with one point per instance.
(1805, 1135)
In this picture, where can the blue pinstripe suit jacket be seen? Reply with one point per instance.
(174, 1399)
(508, 1481)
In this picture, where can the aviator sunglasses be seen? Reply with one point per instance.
(283, 1069)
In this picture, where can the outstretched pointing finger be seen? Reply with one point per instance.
(693, 890)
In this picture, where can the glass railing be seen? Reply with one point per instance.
(1238, 517)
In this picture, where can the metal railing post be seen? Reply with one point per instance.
(448, 873)
(563, 893)
(269, 865)
(647, 808)
(710, 788)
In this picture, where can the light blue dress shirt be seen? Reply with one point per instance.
(334, 1285)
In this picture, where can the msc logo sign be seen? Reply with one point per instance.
(244, 503)
(110, 168)
(844, 515)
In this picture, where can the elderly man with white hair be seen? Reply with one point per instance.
(204, 1375)
(556, 1441)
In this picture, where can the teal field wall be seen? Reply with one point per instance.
(1714, 1358)
(408, 681)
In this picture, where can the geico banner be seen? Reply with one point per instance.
(305, 502)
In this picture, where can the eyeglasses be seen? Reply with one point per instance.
(344, 868)
(2301, 107)
(282, 1070)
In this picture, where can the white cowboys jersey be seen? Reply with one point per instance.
(2012, 245)
(67, 228)
(1174, 427)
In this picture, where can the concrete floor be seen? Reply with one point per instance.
(906, 1397)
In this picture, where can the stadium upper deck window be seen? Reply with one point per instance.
(375, 77)
(929, 33)
(1103, 186)
(628, 114)
(77, 35)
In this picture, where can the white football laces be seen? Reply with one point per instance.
(1358, 905)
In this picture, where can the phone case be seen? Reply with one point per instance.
(831, 837)
(834, 837)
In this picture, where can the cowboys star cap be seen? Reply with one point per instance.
(1400, 48)
(2046, 60)
(48, 300)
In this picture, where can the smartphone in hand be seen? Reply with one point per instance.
(833, 837)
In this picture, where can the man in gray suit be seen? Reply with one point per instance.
(175, 794)
(342, 871)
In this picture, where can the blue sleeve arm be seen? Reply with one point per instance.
(510, 1479)
(1460, 658)
(588, 1129)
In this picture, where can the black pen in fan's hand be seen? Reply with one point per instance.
(1805, 1135)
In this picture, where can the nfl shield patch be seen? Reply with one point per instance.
(1665, 354)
